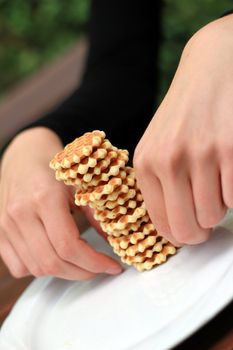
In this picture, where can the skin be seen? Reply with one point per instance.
(38, 234)
(183, 161)
(183, 166)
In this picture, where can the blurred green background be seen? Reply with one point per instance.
(32, 32)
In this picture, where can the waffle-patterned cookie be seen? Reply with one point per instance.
(103, 181)
(74, 152)
(141, 242)
(157, 258)
(131, 227)
(94, 175)
(132, 216)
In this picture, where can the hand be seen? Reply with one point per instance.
(38, 234)
(184, 161)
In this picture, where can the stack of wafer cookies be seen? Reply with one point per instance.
(102, 180)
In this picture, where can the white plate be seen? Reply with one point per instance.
(139, 311)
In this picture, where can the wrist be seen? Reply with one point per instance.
(42, 136)
(33, 144)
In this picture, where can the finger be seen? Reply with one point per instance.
(154, 199)
(180, 209)
(206, 186)
(47, 262)
(11, 258)
(17, 241)
(64, 236)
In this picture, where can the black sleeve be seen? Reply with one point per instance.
(117, 93)
(227, 13)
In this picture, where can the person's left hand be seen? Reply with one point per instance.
(184, 161)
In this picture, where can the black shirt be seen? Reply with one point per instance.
(117, 92)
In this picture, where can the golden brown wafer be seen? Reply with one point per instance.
(142, 245)
(90, 171)
(148, 253)
(77, 150)
(116, 196)
(102, 215)
(145, 229)
(83, 166)
(157, 258)
(131, 217)
(133, 237)
(85, 181)
(124, 243)
(131, 227)
(131, 197)
(103, 181)
(95, 157)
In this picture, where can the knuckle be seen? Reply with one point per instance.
(15, 208)
(202, 152)
(226, 150)
(3, 220)
(136, 155)
(140, 160)
(170, 159)
(167, 157)
(41, 194)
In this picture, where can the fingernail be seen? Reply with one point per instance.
(114, 270)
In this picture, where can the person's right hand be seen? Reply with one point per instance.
(38, 234)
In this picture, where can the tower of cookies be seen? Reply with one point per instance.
(102, 179)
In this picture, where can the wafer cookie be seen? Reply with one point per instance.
(148, 253)
(85, 180)
(130, 228)
(123, 243)
(131, 217)
(129, 199)
(77, 150)
(132, 237)
(112, 197)
(157, 258)
(103, 181)
(83, 166)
